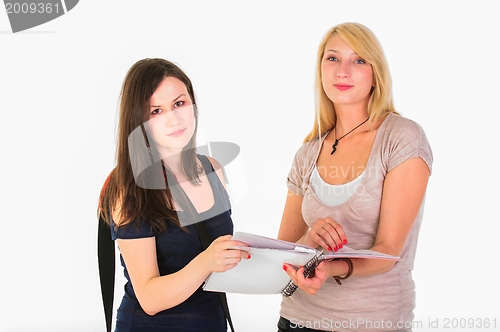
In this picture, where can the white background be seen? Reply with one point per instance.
(252, 66)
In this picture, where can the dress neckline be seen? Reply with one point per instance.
(209, 175)
(368, 162)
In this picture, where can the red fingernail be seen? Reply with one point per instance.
(285, 267)
(336, 249)
(340, 246)
(345, 241)
(330, 249)
(249, 256)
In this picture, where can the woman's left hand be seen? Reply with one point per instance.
(313, 282)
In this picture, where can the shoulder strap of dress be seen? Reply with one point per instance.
(205, 241)
(207, 165)
(203, 233)
(210, 171)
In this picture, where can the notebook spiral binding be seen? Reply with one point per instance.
(291, 287)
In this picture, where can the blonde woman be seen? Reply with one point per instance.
(359, 179)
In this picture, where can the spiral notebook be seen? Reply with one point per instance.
(263, 272)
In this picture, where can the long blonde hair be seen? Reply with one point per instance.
(364, 42)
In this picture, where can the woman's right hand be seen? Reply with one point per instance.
(326, 233)
(219, 258)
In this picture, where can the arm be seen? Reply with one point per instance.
(292, 227)
(156, 293)
(326, 232)
(402, 196)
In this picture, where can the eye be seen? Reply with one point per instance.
(178, 104)
(156, 111)
(332, 58)
(360, 61)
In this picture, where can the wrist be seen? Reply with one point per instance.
(201, 264)
(342, 269)
(304, 240)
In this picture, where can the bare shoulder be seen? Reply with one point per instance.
(214, 163)
(116, 212)
(218, 169)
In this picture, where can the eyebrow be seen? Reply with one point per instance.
(335, 51)
(182, 94)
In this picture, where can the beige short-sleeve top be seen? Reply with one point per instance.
(382, 302)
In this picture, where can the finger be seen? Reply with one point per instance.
(226, 264)
(241, 254)
(327, 231)
(299, 277)
(223, 238)
(314, 235)
(334, 233)
(310, 286)
(339, 230)
(222, 267)
(240, 244)
(330, 237)
(235, 253)
(300, 274)
(290, 270)
(319, 270)
(321, 236)
(232, 260)
(328, 246)
(236, 243)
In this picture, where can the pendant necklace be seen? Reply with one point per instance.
(334, 146)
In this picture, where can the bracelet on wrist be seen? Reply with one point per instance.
(349, 273)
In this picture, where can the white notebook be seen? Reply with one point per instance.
(263, 272)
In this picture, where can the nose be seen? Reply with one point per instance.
(343, 70)
(171, 118)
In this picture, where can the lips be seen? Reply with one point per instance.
(177, 133)
(343, 87)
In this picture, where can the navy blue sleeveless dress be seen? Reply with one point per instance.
(202, 311)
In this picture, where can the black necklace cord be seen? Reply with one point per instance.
(334, 146)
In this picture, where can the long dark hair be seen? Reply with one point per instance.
(124, 195)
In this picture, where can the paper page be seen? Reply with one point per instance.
(261, 274)
(358, 253)
(258, 241)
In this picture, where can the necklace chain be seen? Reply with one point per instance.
(334, 146)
